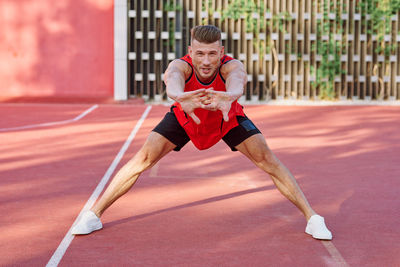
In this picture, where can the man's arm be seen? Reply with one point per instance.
(235, 81)
(235, 78)
(174, 79)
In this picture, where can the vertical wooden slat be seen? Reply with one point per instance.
(313, 30)
(184, 26)
(292, 47)
(226, 28)
(133, 65)
(178, 29)
(360, 94)
(285, 47)
(281, 51)
(300, 10)
(265, 89)
(327, 8)
(260, 68)
(152, 49)
(307, 51)
(257, 62)
(145, 51)
(317, 32)
(341, 32)
(397, 65)
(363, 52)
(350, 84)
(248, 49)
(192, 9)
(131, 44)
(158, 48)
(278, 72)
(375, 73)
(242, 49)
(389, 64)
(171, 31)
(217, 21)
(393, 64)
(348, 52)
(369, 64)
(298, 44)
(271, 44)
(337, 41)
(385, 70)
(139, 48)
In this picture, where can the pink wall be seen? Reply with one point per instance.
(60, 48)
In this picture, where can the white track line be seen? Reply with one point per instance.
(62, 248)
(335, 254)
(77, 118)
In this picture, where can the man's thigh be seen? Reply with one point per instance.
(240, 133)
(156, 146)
(253, 145)
(170, 128)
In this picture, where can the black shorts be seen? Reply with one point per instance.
(170, 128)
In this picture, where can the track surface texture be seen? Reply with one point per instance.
(200, 208)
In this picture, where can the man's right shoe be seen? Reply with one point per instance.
(88, 223)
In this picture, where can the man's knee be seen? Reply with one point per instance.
(264, 158)
(145, 158)
(153, 149)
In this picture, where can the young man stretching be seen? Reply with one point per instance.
(205, 85)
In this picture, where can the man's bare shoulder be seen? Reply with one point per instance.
(230, 66)
(181, 66)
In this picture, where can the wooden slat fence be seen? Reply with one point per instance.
(296, 49)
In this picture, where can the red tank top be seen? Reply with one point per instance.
(212, 127)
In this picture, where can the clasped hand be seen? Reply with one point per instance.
(206, 99)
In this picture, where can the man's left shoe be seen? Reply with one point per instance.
(317, 228)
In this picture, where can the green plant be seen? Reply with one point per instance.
(381, 12)
(330, 51)
(206, 6)
(255, 22)
(238, 8)
(379, 25)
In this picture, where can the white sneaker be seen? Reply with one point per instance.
(88, 223)
(317, 228)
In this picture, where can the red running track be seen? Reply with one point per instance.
(208, 208)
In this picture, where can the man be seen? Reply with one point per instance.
(205, 85)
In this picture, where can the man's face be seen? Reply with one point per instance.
(206, 59)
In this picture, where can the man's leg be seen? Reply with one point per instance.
(257, 150)
(155, 147)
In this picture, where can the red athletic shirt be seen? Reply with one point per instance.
(212, 127)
